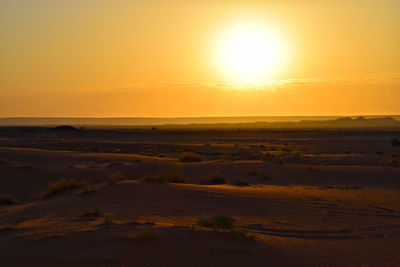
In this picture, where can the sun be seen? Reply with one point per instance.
(250, 52)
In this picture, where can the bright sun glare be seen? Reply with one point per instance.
(250, 52)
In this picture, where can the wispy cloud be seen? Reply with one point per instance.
(373, 79)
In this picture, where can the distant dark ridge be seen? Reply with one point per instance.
(64, 128)
(136, 121)
(340, 123)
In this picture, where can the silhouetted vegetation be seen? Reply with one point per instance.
(115, 164)
(91, 213)
(6, 199)
(216, 222)
(165, 177)
(241, 234)
(108, 220)
(214, 179)
(190, 157)
(59, 186)
(240, 183)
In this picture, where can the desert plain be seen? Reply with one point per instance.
(199, 197)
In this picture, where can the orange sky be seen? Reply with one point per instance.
(158, 58)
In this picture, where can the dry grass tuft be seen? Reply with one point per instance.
(241, 234)
(108, 220)
(214, 179)
(92, 213)
(59, 186)
(216, 222)
(165, 177)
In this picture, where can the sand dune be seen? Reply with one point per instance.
(292, 201)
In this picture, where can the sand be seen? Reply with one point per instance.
(297, 199)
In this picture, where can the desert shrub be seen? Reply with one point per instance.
(395, 142)
(59, 186)
(108, 220)
(115, 164)
(6, 199)
(216, 222)
(190, 157)
(251, 155)
(91, 213)
(240, 183)
(214, 179)
(115, 177)
(241, 234)
(165, 177)
(150, 151)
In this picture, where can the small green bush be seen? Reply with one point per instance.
(216, 222)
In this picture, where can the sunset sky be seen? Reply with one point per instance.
(83, 58)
